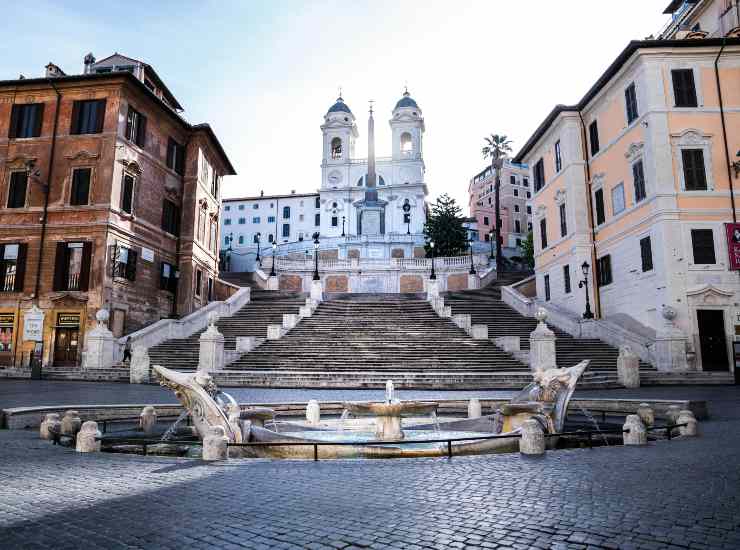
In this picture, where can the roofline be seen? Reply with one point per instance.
(142, 87)
(267, 197)
(611, 71)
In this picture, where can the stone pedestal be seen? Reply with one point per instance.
(473, 281)
(245, 344)
(474, 408)
(274, 332)
(542, 345)
(215, 445)
(139, 365)
(532, 442)
(317, 293)
(70, 423)
(273, 283)
(646, 414)
(432, 289)
(148, 419)
(313, 412)
(634, 431)
(51, 423)
(508, 343)
(86, 442)
(628, 368)
(672, 414)
(479, 332)
(462, 320)
(211, 355)
(692, 426)
(100, 344)
(290, 320)
(388, 428)
(670, 344)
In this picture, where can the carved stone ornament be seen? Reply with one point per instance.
(541, 211)
(131, 166)
(560, 196)
(598, 180)
(20, 162)
(692, 137)
(668, 313)
(634, 150)
(82, 156)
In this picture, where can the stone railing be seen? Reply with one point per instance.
(166, 329)
(454, 263)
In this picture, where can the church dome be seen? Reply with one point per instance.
(406, 101)
(339, 107)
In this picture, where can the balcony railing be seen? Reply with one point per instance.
(73, 281)
(8, 282)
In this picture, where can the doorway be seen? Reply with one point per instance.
(712, 340)
(66, 343)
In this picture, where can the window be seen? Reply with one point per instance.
(566, 278)
(547, 288)
(485, 220)
(529, 195)
(517, 226)
(198, 282)
(487, 237)
(516, 192)
(684, 88)
(336, 148)
(227, 221)
(563, 221)
(286, 230)
(646, 254)
(17, 189)
(270, 219)
(604, 270)
(241, 239)
(317, 219)
(255, 206)
(167, 277)
(529, 209)
(630, 100)
(618, 199)
(599, 199)
(286, 212)
(516, 208)
(638, 175)
(124, 263)
(512, 180)
(127, 193)
(702, 241)
(215, 185)
(256, 238)
(539, 175)
(175, 156)
(136, 127)
(318, 202)
(525, 183)
(25, 120)
(256, 219)
(694, 174)
(270, 238)
(334, 221)
(213, 238)
(72, 266)
(558, 157)
(202, 212)
(543, 233)
(406, 143)
(12, 266)
(529, 226)
(300, 217)
(87, 117)
(227, 208)
(80, 186)
(593, 134)
(519, 242)
(170, 217)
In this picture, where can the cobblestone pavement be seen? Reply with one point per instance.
(678, 494)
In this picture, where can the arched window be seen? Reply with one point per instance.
(336, 148)
(363, 180)
(407, 145)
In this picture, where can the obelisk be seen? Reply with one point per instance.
(371, 192)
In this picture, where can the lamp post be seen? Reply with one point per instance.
(343, 220)
(259, 260)
(433, 276)
(472, 267)
(584, 284)
(228, 252)
(274, 257)
(490, 238)
(316, 257)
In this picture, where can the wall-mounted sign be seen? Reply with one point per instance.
(68, 320)
(7, 319)
(733, 245)
(147, 254)
(33, 325)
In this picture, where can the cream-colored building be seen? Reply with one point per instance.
(638, 180)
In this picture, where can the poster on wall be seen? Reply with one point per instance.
(733, 245)
(33, 325)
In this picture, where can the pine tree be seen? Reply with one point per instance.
(444, 226)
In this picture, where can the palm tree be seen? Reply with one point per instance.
(497, 149)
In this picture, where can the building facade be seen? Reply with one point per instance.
(638, 181)
(108, 199)
(515, 210)
(700, 19)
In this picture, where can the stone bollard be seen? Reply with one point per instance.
(474, 408)
(211, 353)
(216, 445)
(313, 412)
(71, 423)
(532, 442)
(148, 419)
(646, 414)
(635, 433)
(86, 442)
(692, 426)
(672, 414)
(628, 368)
(139, 366)
(50, 424)
(479, 332)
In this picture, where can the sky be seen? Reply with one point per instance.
(264, 73)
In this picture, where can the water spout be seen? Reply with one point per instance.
(435, 420)
(591, 419)
(169, 434)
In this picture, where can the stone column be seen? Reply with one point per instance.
(432, 289)
(317, 293)
(692, 426)
(139, 366)
(628, 368)
(100, 344)
(542, 344)
(86, 442)
(148, 419)
(532, 442)
(313, 413)
(670, 344)
(474, 408)
(635, 433)
(211, 355)
(215, 445)
(51, 423)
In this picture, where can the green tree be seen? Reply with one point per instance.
(528, 249)
(497, 149)
(444, 226)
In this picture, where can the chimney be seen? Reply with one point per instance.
(262, 193)
(52, 71)
(89, 62)
(292, 191)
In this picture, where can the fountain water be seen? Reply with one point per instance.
(172, 430)
(591, 419)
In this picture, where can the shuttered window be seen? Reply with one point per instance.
(88, 116)
(17, 189)
(286, 230)
(124, 263)
(26, 120)
(136, 127)
(563, 221)
(694, 174)
(593, 135)
(702, 242)
(317, 219)
(547, 288)
(80, 193)
(566, 278)
(599, 200)
(558, 157)
(638, 176)
(604, 270)
(127, 193)
(630, 99)
(684, 88)
(539, 175)
(12, 266)
(175, 156)
(646, 254)
(543, 233)
(167, 277)
(72, 266)
(170, 217)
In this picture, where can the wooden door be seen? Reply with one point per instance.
(712, 340)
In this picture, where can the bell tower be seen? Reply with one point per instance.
(407, 126)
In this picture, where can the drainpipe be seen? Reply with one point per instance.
(47, 191)
(724, 128)
(597, 295)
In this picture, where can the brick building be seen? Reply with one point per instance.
(108, 198)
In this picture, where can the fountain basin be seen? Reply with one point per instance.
(388, 415)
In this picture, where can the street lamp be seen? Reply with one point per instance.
(316, 257)
(584, 284)
(228, 252)
(259, 260)
(274, 257)
(490, 238)
(433, 276)
(343, 219)
(472, 267)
